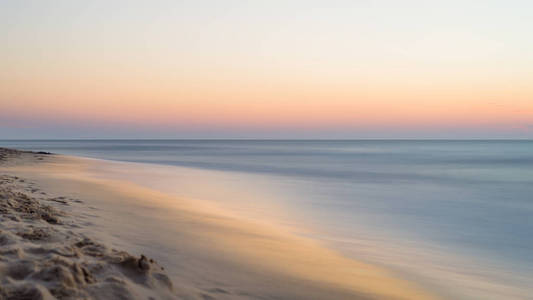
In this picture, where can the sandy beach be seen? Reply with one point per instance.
(69, 232)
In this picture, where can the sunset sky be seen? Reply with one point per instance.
(266, 69)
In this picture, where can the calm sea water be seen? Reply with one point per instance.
(455, 215)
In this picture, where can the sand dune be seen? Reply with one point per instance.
(61, 219)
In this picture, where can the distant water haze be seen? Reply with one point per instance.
(450, 214)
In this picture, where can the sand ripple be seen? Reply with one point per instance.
(42, 256)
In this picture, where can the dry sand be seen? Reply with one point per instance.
(62, 221)
(43, 255)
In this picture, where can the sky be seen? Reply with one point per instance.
(266, 69)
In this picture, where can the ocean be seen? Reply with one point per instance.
(454, 215)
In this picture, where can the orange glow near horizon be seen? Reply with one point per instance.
(270, 106)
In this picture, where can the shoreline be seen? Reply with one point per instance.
(221, 257)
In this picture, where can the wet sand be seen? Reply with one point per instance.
(84, 222)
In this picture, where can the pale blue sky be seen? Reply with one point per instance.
(66, 66)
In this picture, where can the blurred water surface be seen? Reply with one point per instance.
(449, 213)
